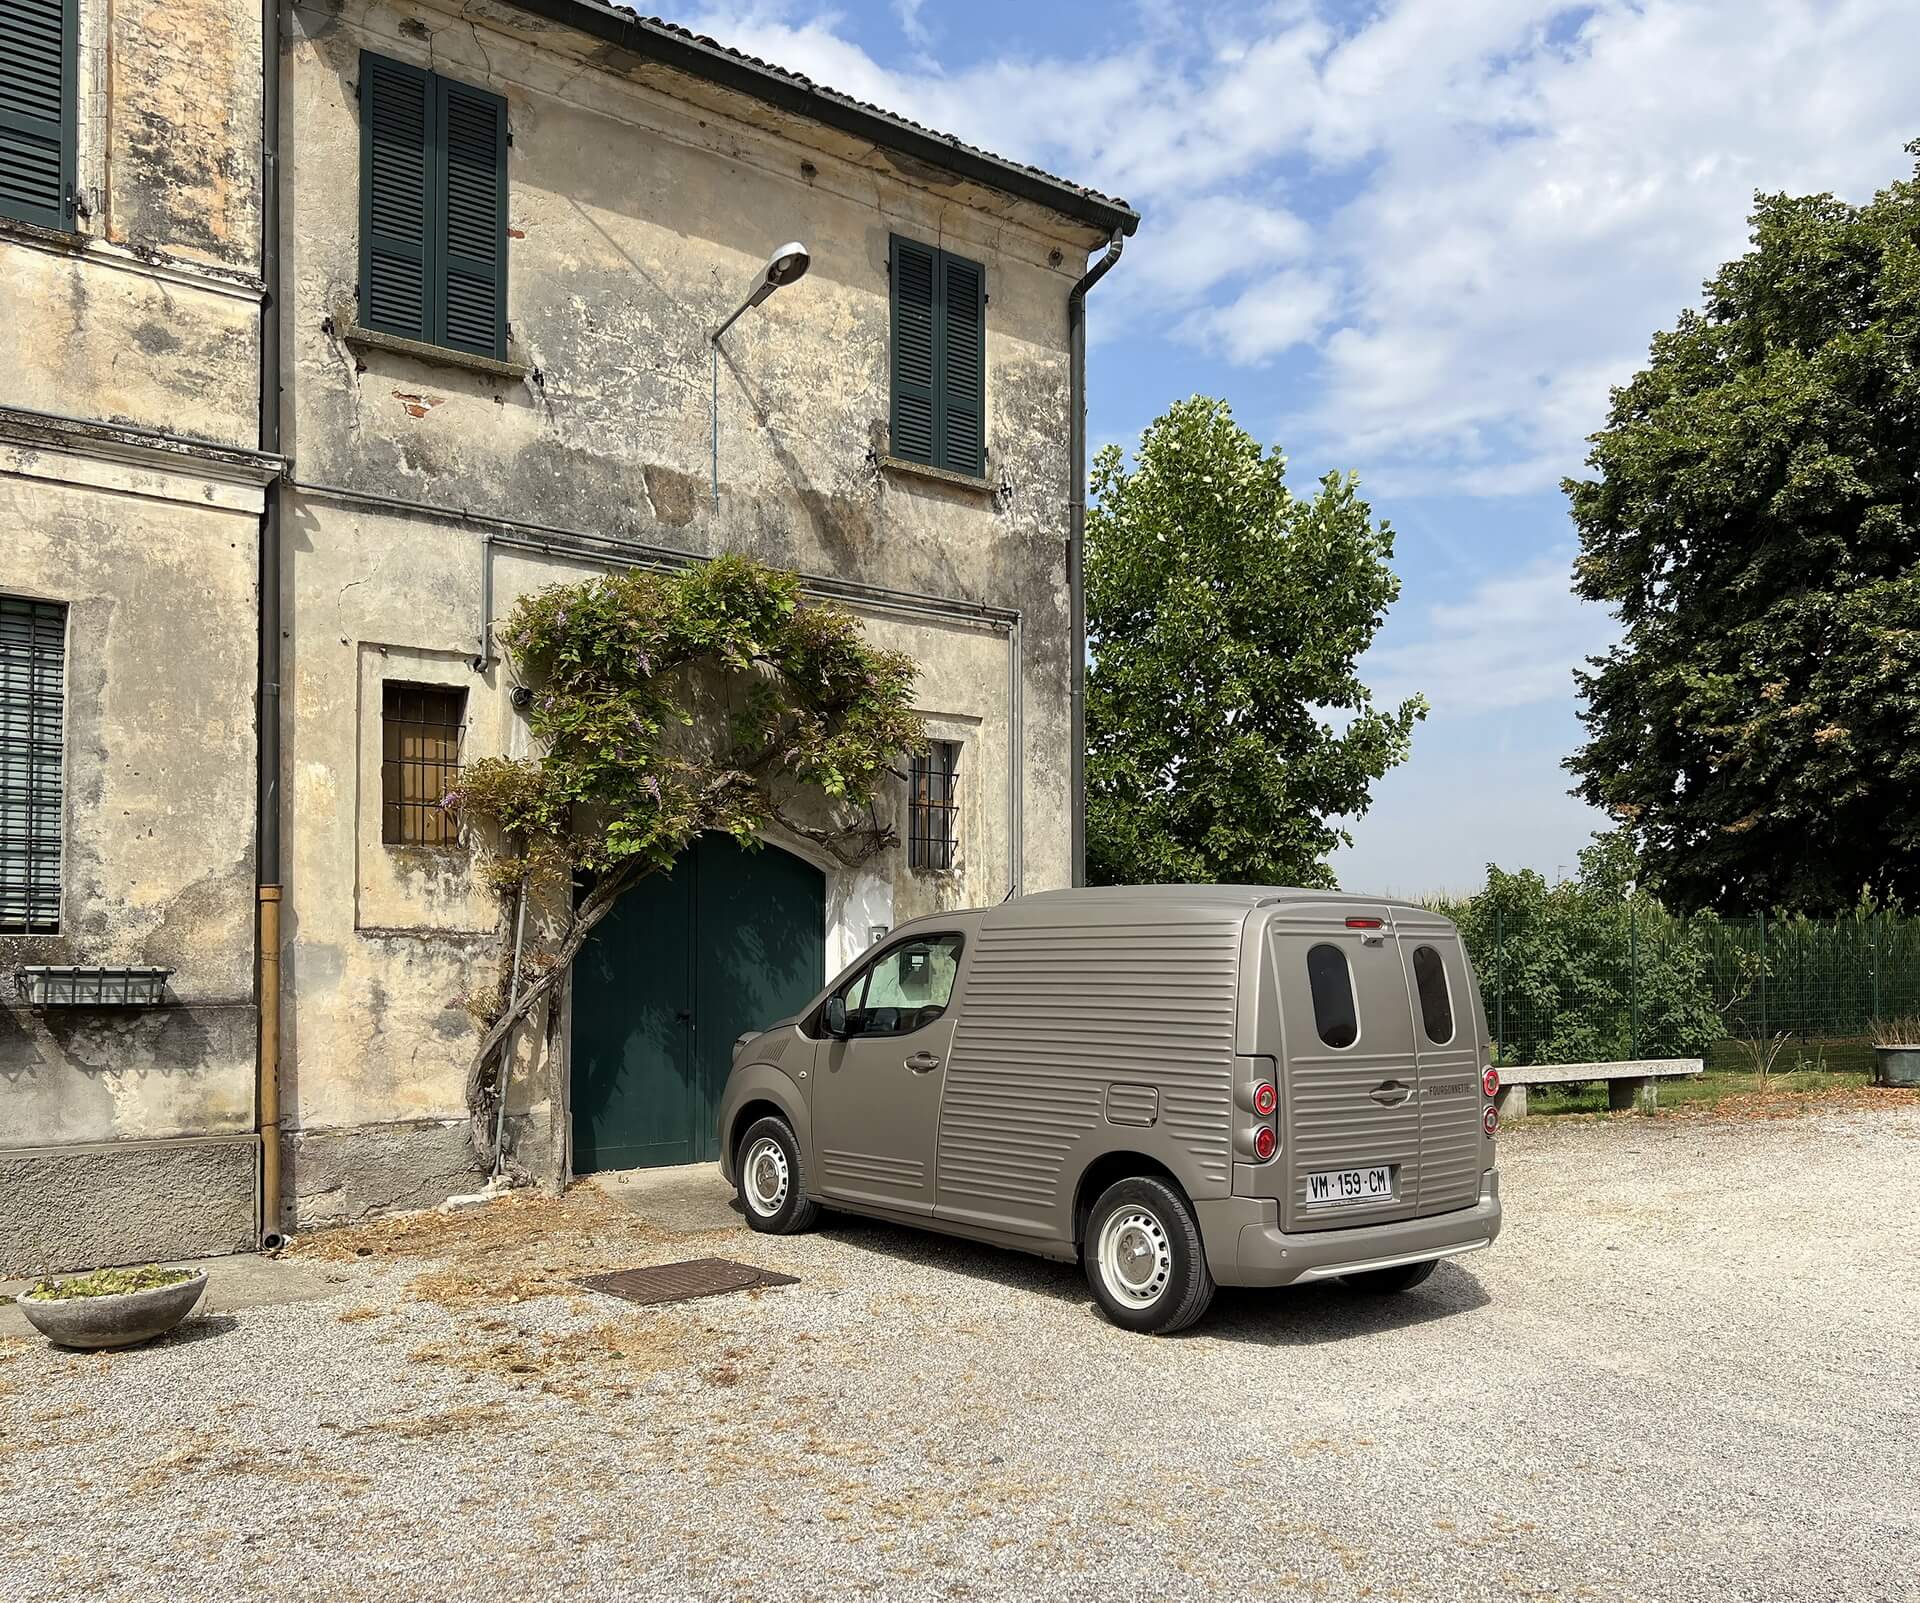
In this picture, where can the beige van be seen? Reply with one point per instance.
(1179, 1086)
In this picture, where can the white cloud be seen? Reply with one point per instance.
(912, 24)
(1523, 190)
(1512, 642)
(1272, 314)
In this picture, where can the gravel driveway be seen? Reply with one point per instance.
(1690, 1369)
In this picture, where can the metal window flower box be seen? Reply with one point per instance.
(87, 986)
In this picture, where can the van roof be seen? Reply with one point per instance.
(1196, 901)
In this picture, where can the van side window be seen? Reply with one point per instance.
(1436, 1007)
(1332, 984)
(906, 989)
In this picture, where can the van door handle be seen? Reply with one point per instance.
(1391, 1094)
(923, 1063)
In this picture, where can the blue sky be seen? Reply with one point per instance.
(1419, 241)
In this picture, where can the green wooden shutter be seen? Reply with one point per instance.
(33, 649)
(915, 280)
(433, 208)
(963, 346)
(396, 197)
(39, 81)
(939, 358)
(471, 179)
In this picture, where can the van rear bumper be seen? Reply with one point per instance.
(1246, 1247)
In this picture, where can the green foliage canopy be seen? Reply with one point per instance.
(1754, 520)
(666, 706)
(1573, 960)
(1226, 721)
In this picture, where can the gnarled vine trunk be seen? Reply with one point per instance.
(483, 1093)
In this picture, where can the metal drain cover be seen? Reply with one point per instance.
(682, 1282)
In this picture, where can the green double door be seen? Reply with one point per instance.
(729, 941)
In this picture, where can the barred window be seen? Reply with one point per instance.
(420, 759)
(33, 651)
(932, 806)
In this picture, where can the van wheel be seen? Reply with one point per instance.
(772, 1181)
(1144, 1258)
(1401, 1277)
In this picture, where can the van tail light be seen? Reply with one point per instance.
(1265, 1142)
(1490, 1120)
(1265, 1099)
(1364, 923)
(1490, 1080)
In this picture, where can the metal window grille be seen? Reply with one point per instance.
(419, 761)
(932, 806)
(33, 650)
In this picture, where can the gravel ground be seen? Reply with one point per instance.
(1688, 1370)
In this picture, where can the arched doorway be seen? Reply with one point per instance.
(731, 940)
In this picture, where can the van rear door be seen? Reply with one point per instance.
(1350, 1081)
(1447, 1046)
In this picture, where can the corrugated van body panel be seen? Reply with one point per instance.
(1057, 1011)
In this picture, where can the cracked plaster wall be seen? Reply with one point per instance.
(640, 209)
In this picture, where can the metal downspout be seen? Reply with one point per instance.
(1076, 544)
(267, 712)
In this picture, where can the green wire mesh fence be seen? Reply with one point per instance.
(1633, 981)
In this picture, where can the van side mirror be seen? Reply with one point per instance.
(835, 1017)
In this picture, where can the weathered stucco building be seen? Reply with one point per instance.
(473, 258)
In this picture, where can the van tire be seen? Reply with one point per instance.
(1401, 1277)
(1148, 1221)
(774, 1196)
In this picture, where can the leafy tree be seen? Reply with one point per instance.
(667, 706)
(1573, 959)
(1226, 721)
(1754, 520)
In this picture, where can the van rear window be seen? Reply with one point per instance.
(1436, 1007)
(1331, 982)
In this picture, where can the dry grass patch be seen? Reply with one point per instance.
(469, 1419)
(523, 1245)
(1791, 1103)
(199, 1455)
(600, 1362)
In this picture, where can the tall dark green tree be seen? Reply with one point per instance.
(1754, 520)
(1228, 731)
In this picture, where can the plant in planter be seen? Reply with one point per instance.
(112, 1307)
(1896, 1050)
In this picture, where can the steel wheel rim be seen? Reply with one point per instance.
(764, 1176)
(1136, 1257)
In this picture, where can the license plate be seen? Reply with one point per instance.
(1351, 1185)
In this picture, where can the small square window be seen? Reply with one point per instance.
(420, 727)
(933, 806)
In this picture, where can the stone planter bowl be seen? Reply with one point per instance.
(118, 1321)
(1897, 1065)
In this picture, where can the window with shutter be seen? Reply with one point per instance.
(939, 358)
(39, 82)
(33, 651)
(433, 208)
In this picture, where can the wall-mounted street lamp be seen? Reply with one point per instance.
(786, 264)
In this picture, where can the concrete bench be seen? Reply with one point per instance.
(1631, 1084)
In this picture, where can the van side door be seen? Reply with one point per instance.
(877, 1087)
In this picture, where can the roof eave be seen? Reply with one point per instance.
(684, 53)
